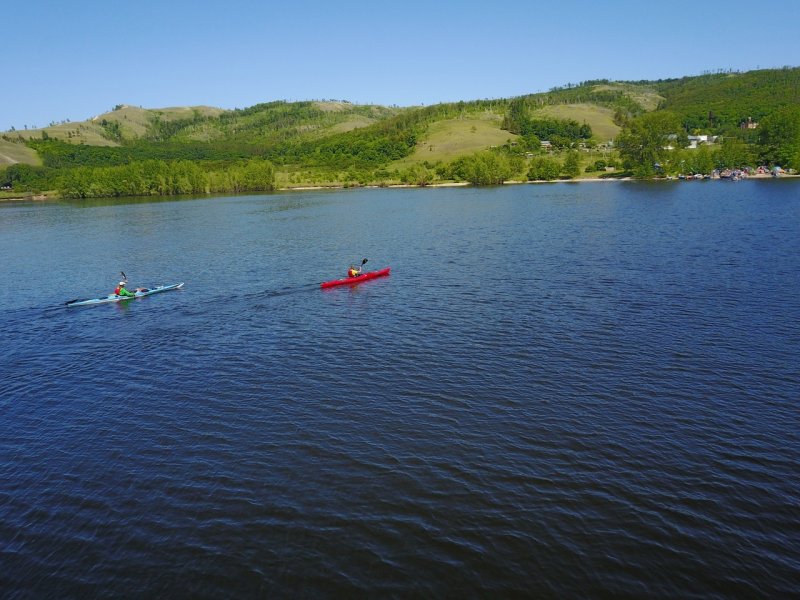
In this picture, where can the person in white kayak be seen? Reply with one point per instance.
(121, 291)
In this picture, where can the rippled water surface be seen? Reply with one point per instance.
(561, 390)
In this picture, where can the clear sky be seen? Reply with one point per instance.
(72, 60)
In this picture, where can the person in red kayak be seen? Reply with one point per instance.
(355, 271)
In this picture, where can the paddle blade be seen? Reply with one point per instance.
(363, 262)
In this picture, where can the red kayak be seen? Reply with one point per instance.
(356, 279)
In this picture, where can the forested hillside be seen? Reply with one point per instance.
(561, 133)
(721, 102)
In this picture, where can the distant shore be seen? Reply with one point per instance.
(45, 196)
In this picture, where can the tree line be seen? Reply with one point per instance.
(144, 178)
(159, 178)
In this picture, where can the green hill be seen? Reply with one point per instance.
(267, 123)
(337, 141)
(110, 129)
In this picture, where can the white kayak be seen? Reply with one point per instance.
(116, 298)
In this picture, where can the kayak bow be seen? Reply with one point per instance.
(356, 279)
(116, 298)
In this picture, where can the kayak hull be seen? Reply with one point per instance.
(115, 298)
(353, 280)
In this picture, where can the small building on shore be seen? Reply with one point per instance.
(696, 140)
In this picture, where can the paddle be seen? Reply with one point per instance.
(125, 279)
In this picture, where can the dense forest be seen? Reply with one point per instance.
(753, 117)
(720, 103)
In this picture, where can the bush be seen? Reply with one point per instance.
(417, 175)
(484, 168)
(544, 169)
(571, 166)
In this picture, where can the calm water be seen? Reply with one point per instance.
(561, 390)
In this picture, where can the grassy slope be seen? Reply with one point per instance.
(132, 119)
(11, 153)
(352, 121)
(448, 139)
(85, 132)
(599, 118)
(646, 95)
(282, 121)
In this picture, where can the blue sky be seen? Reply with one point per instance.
(72, 60)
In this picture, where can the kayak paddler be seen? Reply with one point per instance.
(121, 291)
(355, 271)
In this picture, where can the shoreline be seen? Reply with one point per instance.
(44, 197)
(29, 196)
(511, 182)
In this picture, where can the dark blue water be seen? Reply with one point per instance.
(561, 390)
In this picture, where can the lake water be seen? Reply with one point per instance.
(567, 390)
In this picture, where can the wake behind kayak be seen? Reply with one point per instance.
(117, 298)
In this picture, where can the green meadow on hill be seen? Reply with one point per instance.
(448, 139)
(11, 153)
(599, 118)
